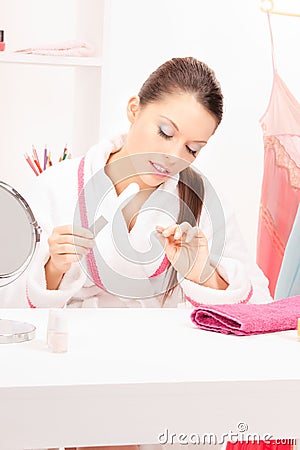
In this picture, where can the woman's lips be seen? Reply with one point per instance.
(164, 172)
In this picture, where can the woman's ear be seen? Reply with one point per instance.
(133, 108)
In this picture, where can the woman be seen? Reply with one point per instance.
(177, 110)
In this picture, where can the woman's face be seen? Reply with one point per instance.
(166, 136)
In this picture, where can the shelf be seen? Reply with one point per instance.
(86, 61)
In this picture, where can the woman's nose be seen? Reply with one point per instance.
(174, 158)
(170, 160)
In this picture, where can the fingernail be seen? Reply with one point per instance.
(176, 236)
(89, 234)
(165, 233)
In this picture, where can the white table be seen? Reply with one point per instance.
(131, 374)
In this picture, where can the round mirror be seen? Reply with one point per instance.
(17, 225)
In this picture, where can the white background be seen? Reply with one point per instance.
(40, 104)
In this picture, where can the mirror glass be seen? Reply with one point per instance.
(19, 234)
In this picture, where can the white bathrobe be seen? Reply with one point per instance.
(54, 199)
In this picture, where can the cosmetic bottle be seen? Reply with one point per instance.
(57, 331)
(298, 330)
(2, 43)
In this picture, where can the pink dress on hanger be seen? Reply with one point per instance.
(280, 195)
(280, 198)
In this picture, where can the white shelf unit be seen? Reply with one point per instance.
(76, 61)
(49, 100)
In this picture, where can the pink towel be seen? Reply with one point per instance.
(67, 48)
(247, 319)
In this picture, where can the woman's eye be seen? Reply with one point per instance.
(193, 152)
(164, 133)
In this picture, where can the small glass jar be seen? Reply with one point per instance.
(57, 331)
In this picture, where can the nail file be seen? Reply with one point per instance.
(98, 225)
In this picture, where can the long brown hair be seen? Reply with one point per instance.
(185, 75)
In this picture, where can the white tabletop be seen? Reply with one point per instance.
(131, 374)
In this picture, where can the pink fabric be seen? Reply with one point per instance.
(192, 302)
(164, 265)
(280, 195)
(31, 305)
(248, 319)
(67, 48)
(90, 257)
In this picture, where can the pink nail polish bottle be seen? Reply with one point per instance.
(57, 333)
(2, 43)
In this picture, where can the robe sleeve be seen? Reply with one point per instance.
(51, 209)
(38, 295)
(246, 281)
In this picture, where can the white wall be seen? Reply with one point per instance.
(43, 104)
(35, 100)
(231, 36)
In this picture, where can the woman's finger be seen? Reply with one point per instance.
(177, 230)
(181, 229)
(75, 240)
(168, 231)
(73, 230)
(68, 249)
(192, 232)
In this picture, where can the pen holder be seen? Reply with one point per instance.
(39, 165)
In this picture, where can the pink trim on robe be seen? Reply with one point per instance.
(31, 305)
(164, 265)
(90, 257)
(195, 304)
(246, 300)
(189, 299)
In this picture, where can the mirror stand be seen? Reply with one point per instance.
(12, 331)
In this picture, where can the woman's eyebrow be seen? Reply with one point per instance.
(175, 126)
(173, 123)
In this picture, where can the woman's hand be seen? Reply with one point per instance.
(66, 246)
(186, 248)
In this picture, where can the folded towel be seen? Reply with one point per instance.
(67, 48)
(247, 319)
